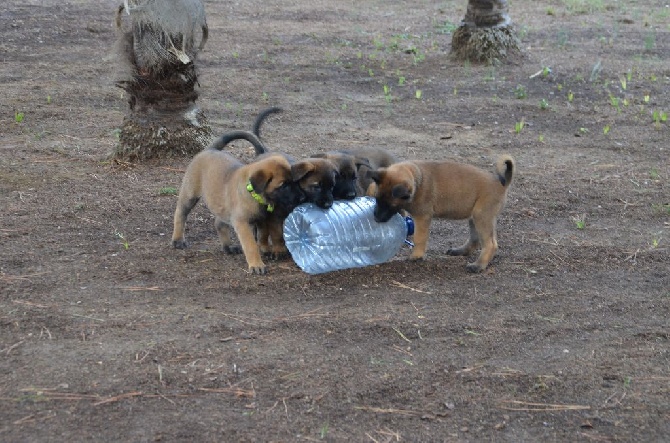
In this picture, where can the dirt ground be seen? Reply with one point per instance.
(109, 334)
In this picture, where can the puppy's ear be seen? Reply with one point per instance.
(301, 169)
(362, 161)
(259, 179)
(401, 191)
(375, 175)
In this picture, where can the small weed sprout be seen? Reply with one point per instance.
(541, 138)
(544, 104)
(571, 96)
(580, 221)
(387, 93)
(18, 117)
(518, 126)
(646, 98)
(418, 94)
(168, 190)
(520, 92)
(623, 82)
(606, 129)
(124, 242)
(654, 175)
(614, 101)
(401, 80)
(583, 131)
(659, 117)
(324, 431)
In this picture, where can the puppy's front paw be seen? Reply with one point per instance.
(474, 268)
(179, 244)
(416, 257)
(258, 270)
(232, 249)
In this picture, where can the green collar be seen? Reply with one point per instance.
(259, 198)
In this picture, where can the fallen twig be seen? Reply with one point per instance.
(247, 393)
(542, 406)
(117, 398)
(140, 288)
(29, 303)
(400, 285)
(387, 410)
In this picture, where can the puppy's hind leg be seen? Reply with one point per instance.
(486, 228)
(184, 207)
(223, 229)
(470, 245)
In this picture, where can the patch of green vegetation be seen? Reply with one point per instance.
(518, 126)
(659, 117)
(584, 6)
(168, 190)
(446, 27)
(520, 92)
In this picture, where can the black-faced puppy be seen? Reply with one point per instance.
(444, 189)
(238, 195)
(315, 179)
(316, 175)
(353, 165)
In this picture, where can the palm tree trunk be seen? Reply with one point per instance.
(157, 57)
(486, 33)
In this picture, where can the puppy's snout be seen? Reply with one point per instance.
(350, 195)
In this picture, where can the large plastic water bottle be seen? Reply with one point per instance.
(344, 236)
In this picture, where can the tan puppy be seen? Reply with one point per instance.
(238, 195)
(428, 189)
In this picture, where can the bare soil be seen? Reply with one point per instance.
(108, 334)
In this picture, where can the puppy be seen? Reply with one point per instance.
(428, 189)
(318, 178)
(353, 165)
(315, 179)
(239, 195)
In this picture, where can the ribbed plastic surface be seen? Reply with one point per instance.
(344, 236)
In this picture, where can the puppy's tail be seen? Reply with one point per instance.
(260, 119)
(228, 137)
(505, 169)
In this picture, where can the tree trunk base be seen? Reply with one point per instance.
(484, 44)
(143, 138)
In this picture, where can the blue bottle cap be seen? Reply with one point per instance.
(410, 225)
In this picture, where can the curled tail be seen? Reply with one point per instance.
(261, 117)
(228, 137)
(505, 169)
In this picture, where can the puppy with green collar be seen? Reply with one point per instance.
(239, 195)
